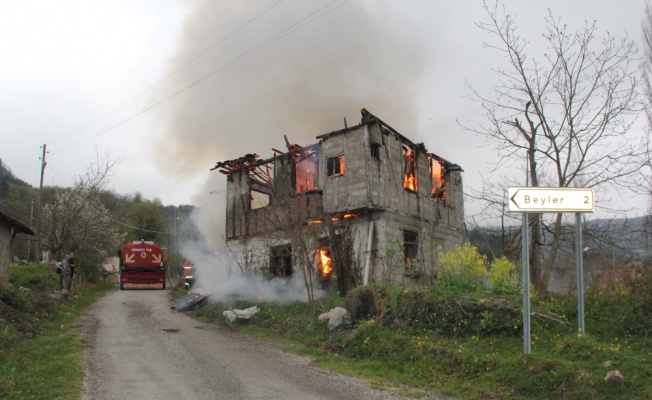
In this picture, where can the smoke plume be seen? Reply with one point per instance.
(292, 70)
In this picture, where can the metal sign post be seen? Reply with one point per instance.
(580, 274)
(525, 235)
(550, 200)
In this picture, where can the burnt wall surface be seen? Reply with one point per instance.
(376, 181)
(361, 171)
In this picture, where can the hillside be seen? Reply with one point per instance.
(7, 176)
(624, 237)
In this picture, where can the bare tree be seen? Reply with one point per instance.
(646, 173)
(294, 222)
(569, 112)
(77, 219)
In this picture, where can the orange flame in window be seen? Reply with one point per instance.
(325, 260)
(410, 177)
(437, 178)
(410, 182)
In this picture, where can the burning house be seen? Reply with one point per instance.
(378, 207)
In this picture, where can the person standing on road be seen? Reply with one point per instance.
(65, 274)
(71, 262)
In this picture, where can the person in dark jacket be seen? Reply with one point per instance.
(71, 262)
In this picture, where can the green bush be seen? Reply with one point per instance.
(502, 276)
(464, 268)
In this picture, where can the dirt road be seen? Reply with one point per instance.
(139, 348)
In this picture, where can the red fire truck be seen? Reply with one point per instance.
(141, 266)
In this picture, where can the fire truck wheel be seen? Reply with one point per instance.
(122, 286)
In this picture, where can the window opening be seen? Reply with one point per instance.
(280, 263)
(410, 247)
(259, 199)
(335, 166)
(409, 169)
(306, 169)
(374, 149)
(437, 173)
(324, 261)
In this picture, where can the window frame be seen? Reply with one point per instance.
(335, 166)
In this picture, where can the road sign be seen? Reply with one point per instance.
(541, 200)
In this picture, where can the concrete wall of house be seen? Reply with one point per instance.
(5, 250)
(386, 259)
(371, 187)
(250, 254)
(283, 185)
(238, 204)
(378, 184)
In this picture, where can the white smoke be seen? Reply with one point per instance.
(222, 106)
(217, 276)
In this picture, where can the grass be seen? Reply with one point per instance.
(40, 344)
(470, 346)
(404, 340)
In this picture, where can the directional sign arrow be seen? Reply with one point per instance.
(540, 199)
(157, 258)
(129, 258)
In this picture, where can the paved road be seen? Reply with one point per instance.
(139, 348)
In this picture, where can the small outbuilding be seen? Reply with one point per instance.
(9, 229)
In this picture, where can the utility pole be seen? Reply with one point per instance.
(31, 223)
(38, 209)
(176, 235)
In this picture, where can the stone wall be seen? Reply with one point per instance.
(371, 187)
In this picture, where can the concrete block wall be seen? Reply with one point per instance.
(373, 188)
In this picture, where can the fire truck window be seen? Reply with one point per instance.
(280, 263)
(335, 166)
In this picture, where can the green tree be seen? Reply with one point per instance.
(147, 221)
(76, 220)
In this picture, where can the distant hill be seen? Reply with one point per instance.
(7, 176)
(617, 236)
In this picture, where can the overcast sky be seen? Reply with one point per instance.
(172, 86)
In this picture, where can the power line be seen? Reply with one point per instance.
(255, 49)
(170, 74)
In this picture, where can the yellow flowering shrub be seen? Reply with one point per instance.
(464, 267)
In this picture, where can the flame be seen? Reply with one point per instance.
(325, 261)
(306, 176)
(410, 178)
(437, 177)
(344, 216)
(410, 182)
(315, 222)
(341, 164)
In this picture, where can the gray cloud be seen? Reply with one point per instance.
(301, 86)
